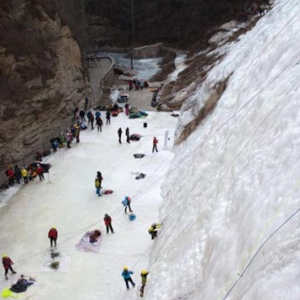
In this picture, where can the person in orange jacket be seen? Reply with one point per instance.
(155, 142)
(52, 235)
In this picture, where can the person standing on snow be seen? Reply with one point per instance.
(120, 135)
(99, 123)
(98, 187)
(24, 175)
(92, 119)
(127, 135)
(127, 109)
(108, 117)
(107, 222)
(100, 178)
(126, 274)
(126, 203)
(97, 114)
(7, 264)
(10, 173)
(89, 113)
(155, 142)
(18, 174)
(69, 138)
(40, 172)
(52, 235)
(77, 133)
(82, 115)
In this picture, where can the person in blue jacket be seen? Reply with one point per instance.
(126, 274)
(126, 203)
(97, 114)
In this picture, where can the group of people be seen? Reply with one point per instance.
(127, 133)
(137, 84)
(66, 139)
(16, 174)
(93, 118)
(126, 274)
(22, 283)
(26, 173)
(74, 131)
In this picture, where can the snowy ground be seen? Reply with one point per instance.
(69, 202)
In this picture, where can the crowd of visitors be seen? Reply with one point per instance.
(82, 121)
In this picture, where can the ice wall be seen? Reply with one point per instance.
(236, 179)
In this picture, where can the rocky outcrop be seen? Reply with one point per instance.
(42, 78)
(201, 112)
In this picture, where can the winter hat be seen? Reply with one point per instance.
(125, 268)
(144, 272)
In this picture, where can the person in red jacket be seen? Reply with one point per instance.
(52, 235)
(40, 172)
(155, 142)
(7, 264)
(107, 221)
(11, 176)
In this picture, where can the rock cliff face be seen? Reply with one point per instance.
(42, 78)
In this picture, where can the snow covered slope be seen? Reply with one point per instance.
(236, 179)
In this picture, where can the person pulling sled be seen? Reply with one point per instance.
(7, 264)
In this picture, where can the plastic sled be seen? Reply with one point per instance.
(85, 245)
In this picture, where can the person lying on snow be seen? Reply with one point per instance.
(22, 284)
(95, 236)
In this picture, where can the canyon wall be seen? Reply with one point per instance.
(42, 77)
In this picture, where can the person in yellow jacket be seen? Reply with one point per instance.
(144, 274)
(97, 186)
(153, 230)
(24, 174)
